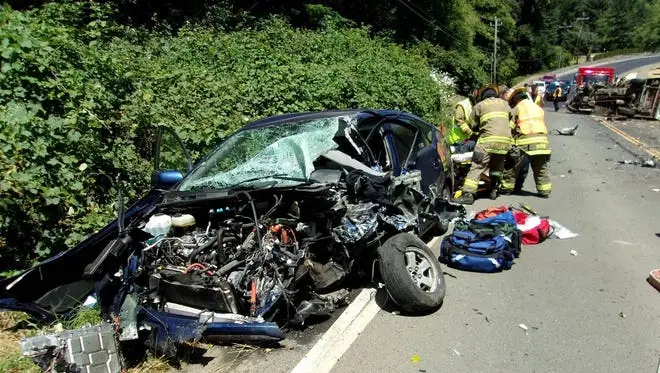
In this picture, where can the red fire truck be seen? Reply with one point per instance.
(601, 75)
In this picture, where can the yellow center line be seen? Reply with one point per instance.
(648, 149)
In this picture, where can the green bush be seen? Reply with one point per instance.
(207, 85)
(78, 102)
(61, 138)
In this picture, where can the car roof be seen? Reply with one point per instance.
(361, 113)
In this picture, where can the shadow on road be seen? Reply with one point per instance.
(386, 304)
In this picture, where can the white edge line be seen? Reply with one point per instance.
(346, 329)
(332, 345)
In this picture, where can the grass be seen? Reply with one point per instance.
(152, 364)
(84, 316)
(11, 332)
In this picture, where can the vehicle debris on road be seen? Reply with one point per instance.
(654, 278)
(88, 349)
(649, 163)
(568, 131)
(574, 252)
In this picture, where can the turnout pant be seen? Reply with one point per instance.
(556, 102)
(516, 168)
(482, 161)
(540, 168)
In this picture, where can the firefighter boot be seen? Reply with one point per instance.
(464, 198)
(494, 187)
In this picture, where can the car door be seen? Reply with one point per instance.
(415, 145)
(58, 285)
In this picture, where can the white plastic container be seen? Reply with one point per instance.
(183, 221)
(159, 224)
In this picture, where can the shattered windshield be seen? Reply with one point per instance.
(280, 153)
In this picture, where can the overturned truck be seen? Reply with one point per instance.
(636, 95)
(272, 227)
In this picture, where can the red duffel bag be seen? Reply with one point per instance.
(535, 229)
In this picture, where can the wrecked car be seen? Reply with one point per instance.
(636, 95)
(269, 229)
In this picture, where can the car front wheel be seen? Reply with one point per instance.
(412, 275)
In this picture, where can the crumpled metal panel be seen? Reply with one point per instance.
(288, 150)
(360, 221)
(88, 349)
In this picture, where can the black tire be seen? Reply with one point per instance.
(399, 283)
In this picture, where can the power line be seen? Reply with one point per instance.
(494, 76)
(429, 21)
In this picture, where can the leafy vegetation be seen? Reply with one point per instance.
(81, 94)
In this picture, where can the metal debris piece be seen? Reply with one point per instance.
(649, 163)
(568, 131)
(88, 349)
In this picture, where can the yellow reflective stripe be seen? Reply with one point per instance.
(532, 140)
(508, 186)
(537, 152)
(525, 118)
(512, 124)
(496, 139)
(471, 183)
(543, 187)
(494, 114)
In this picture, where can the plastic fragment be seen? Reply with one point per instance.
(574, 253)
(415, 359)
(655, 190)
(649, 163)
(562, 175)
(523, 327)
(456, 352)
(560, 231)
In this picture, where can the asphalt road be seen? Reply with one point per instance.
(621, 66)
(593, 312)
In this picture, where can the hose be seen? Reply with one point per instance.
(201, 248)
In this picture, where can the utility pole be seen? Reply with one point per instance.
(577, 42)
(496, 24)
(561, 52)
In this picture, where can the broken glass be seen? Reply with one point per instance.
(265, 153)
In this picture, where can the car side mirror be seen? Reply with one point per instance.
(166, 179)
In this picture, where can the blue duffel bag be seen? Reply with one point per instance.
(468, 251)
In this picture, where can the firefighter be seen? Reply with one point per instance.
(460, 126)
(531, 140)
(528, 89)
(538, 96)
(556, 95)
(490, 116)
